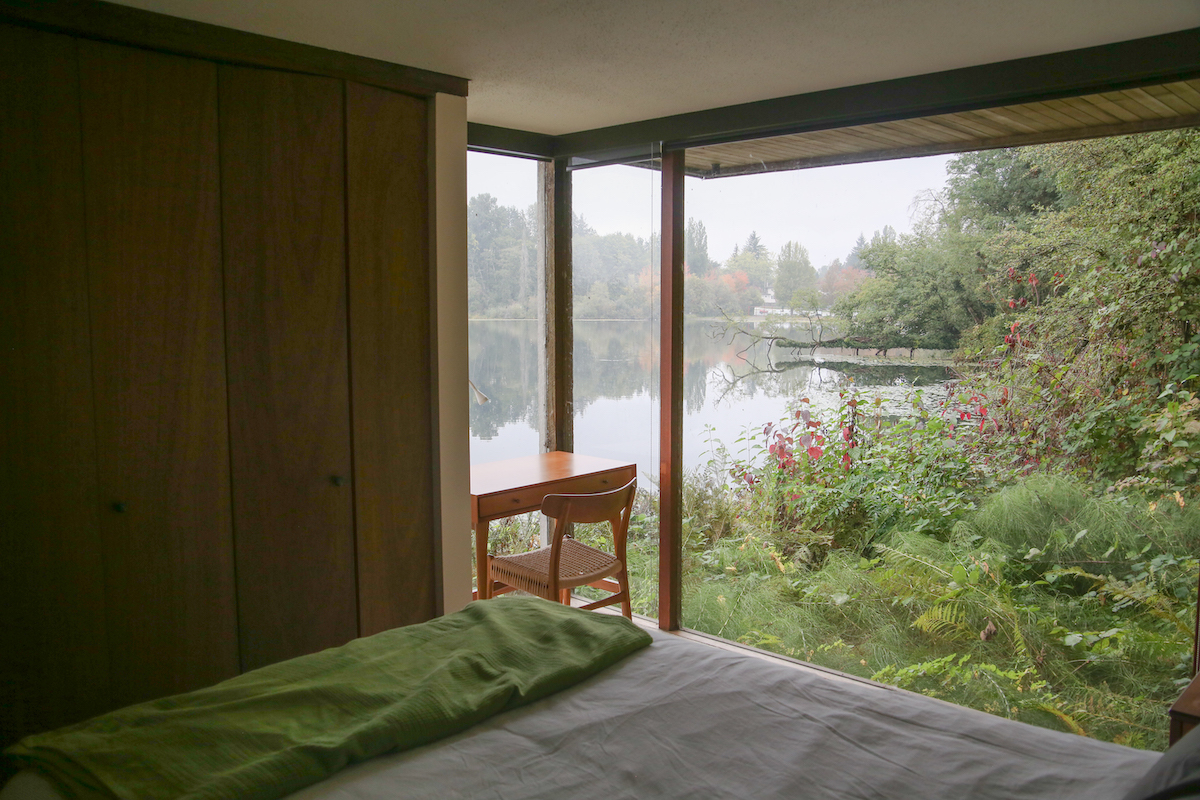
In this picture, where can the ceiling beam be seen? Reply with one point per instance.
(509, 142)
(960, 146)
(1123, 65)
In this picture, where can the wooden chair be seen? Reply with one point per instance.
(553, 571)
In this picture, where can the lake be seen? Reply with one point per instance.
(730, 390)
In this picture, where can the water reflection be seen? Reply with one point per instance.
(730, 389)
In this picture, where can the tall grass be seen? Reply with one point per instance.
(1046, 604)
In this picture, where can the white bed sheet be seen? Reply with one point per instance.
(686, 720)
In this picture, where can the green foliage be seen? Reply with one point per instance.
(993, 190)
(753, 261)
(1097, 373)
(1019, 610)
(795, 277)
(852, 475)
(696, 249)
(611, 273)
(501, 259)
(1029, 548)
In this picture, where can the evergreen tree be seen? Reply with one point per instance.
(993, 190)
(753, 261)
(794, 275)
(696, 249)
(855, 257)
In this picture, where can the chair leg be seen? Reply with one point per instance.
(626, 598)
(564, 596)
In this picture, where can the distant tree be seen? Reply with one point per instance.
(754, 261)
(696, 249)
(755, 247)
(993, 190)
(924, 291)
(838, 280)
(854, 259)
(501, 254)
(794, 274)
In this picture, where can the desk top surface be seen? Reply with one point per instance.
(1188, 703)
(519, 473)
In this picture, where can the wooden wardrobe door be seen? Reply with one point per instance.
(283, 190)
(53, 653)
(387, 155)
(154, 263)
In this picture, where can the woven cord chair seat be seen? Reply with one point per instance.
(578, 565)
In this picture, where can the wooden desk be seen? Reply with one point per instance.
(517, 486)
(1185, 713)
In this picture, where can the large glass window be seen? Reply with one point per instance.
(616, 252)
(937, 434)
(503, 263)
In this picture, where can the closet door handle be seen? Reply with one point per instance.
(118, 507)
(337, 480)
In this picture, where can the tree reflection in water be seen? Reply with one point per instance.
(733, 389)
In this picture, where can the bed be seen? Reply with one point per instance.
(678, 718)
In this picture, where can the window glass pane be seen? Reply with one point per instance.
(1016, 535)
(616, 254)
(503, 264)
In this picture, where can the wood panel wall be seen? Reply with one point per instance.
(387, 186)
(53, 644)
(283, 191)
(154, 264)
(217, 447)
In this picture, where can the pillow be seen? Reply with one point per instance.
(1175, 775)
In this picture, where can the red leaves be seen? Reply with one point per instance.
(815, 452)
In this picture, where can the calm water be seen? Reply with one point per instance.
(729, 391)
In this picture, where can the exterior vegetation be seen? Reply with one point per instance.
(1027, 547)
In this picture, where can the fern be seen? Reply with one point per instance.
(1066, 719)
(1123, 594)
(941, 619)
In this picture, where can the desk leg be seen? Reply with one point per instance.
(483, 577)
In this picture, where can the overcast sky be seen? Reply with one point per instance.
(824, 209)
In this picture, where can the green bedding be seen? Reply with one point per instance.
(277, 729)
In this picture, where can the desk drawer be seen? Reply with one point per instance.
(519, 501)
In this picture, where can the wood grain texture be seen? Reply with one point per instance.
(670, 467)
(283, 189)
(154, 255)
(54, 656)
(387, 197)
(559, 315)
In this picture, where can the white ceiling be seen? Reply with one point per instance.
(560, 66)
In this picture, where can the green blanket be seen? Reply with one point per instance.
(277, 729)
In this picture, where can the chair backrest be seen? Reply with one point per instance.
(613, 506)
(599, 507)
